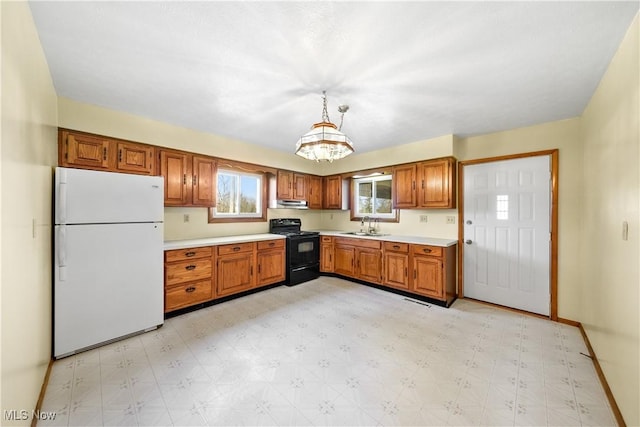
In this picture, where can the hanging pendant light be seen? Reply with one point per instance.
(325, 141)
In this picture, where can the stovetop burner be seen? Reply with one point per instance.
(289, 227)
(296, 233)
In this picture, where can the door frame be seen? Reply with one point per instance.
(553, 279)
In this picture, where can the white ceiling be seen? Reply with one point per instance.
(255, 71)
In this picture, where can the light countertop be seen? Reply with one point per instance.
(418, 240)
(214, 241)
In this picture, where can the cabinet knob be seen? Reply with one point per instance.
(190, 289)
(190, 254)
(190, 267)
(427, 250)
(236, 248)
(396, 247)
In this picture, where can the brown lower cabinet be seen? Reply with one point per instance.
(326, 254)
(271, 262)
(235, 268)
(424, 270)
(396, 265)
(197, 275)
(358, 258)
(188, 275)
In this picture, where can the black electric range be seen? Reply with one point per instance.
(303, 249)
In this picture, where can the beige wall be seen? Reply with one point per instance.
(563, 135)
(29, 120)
(610, 305)
(599, 289)
(441, 146)
(91, 118)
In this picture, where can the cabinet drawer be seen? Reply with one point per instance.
(186, 254)
(396, 247)
(187, 271)
(186, 295)
(236, 248)
(360, 243)
(326, 239)
(426, 250)
(271, 244)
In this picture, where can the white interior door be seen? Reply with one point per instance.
(507, 233)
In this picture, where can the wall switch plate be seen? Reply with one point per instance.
(451, 219)
(423, 218)
(186, 217)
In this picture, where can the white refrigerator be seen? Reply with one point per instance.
(108, 257)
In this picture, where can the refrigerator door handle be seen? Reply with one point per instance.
(62, 202)
(62, 246)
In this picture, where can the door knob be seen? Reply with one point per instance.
(469, 222)
(468, 242)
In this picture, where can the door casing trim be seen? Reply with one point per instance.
(553, 279)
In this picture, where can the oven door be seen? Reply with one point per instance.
(304, 251)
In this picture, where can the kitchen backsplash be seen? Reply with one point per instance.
(176, 228)
(409, 225)
(197, 226)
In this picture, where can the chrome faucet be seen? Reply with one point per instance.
(365, 218)
(375, 226)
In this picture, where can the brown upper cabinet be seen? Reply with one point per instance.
(314, 191)
(135, 158)
(428, 184)
(291, 186)
(404, 183)
(333, 197)
(86, 151)
(189, 179)
(438, 183)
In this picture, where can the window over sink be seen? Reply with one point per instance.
(372, 197)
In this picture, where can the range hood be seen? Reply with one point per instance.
(292, 204)
(283, 204)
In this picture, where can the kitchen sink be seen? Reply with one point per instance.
(362, 233)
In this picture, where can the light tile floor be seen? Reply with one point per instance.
(331, 352)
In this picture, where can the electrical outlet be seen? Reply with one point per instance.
(423, 218)
(186, 217)
(451, 219)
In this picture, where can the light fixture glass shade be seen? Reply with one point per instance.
(324, 142)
